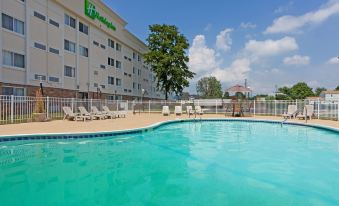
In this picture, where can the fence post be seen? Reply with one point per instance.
(254, 108)
(73, 105)
(318, 108)
(216, 106)
(47, 107)
(12, 108)
(126, 106)
(149, 106)
(296, 103)
(275, 107)
(338, 109)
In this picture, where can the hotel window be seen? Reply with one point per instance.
(83, 28)
(102, 46)
(139, 72)
(111, 43)
(13, 59)
(95, 84)
(134, 55)
(70, 21)
(83, 51)
(40, 77)
(118, 64)
(13, 24)
(110, 97)
(39, 16)
(95, 43)
(52, 50)
(110, 62)
(16, 91)
(110, 80)
(118, 47)
(118, 82)
(139, 86)
(102, 66)
(103, 86)
(70, 46)
(134, 70)
(39, 46)
(53, 79)
(54, 23)
(69, 71)
(139, 58)
(134, 85)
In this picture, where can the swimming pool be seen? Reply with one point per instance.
(181, 163)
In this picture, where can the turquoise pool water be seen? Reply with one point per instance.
(202, 163)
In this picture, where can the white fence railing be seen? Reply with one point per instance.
(15, 109)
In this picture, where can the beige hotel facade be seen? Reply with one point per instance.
(76, 48)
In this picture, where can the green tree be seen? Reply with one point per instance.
(337, 88)
(209, 87)
(168, 58)
(285, 90)
(300, 91)
(318, 90)
(226, 95)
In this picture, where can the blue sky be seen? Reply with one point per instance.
(268, 42)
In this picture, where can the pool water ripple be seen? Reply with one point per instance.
(201, 163)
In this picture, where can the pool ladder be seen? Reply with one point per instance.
(282, 122)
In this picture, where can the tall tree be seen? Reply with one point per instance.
(337, 88)
(209, 87)
(168, 58)
(300, 91)
(318, 90)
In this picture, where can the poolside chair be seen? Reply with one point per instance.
(189, 110)
(198, 110)
(165, 110)
(84, 112)
(308, 112)
(107, 111)
(121, 113)
(94, 110)
(73, 116)
(291, 112)
(178, 110)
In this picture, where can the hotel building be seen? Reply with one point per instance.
(76, 48)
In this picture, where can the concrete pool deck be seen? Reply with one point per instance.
(130, 122)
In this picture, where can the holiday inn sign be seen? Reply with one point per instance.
(91, 12)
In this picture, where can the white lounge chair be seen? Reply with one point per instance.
(107, 111)
(291, 112)
(94, 110)
(189, 110)
(308, 112)
(69, 114)
(178, 110)
(165, 110)
(198, 110)
(84, 112)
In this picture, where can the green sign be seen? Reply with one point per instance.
(91, 12)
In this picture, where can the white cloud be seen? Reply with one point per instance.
(237, 71)
(248, 25)
(205, 62)
(285, 8)
(201, 58)
(224, 41)
(288, 23)
(297, 60)
(271, 47)
(334, 60)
